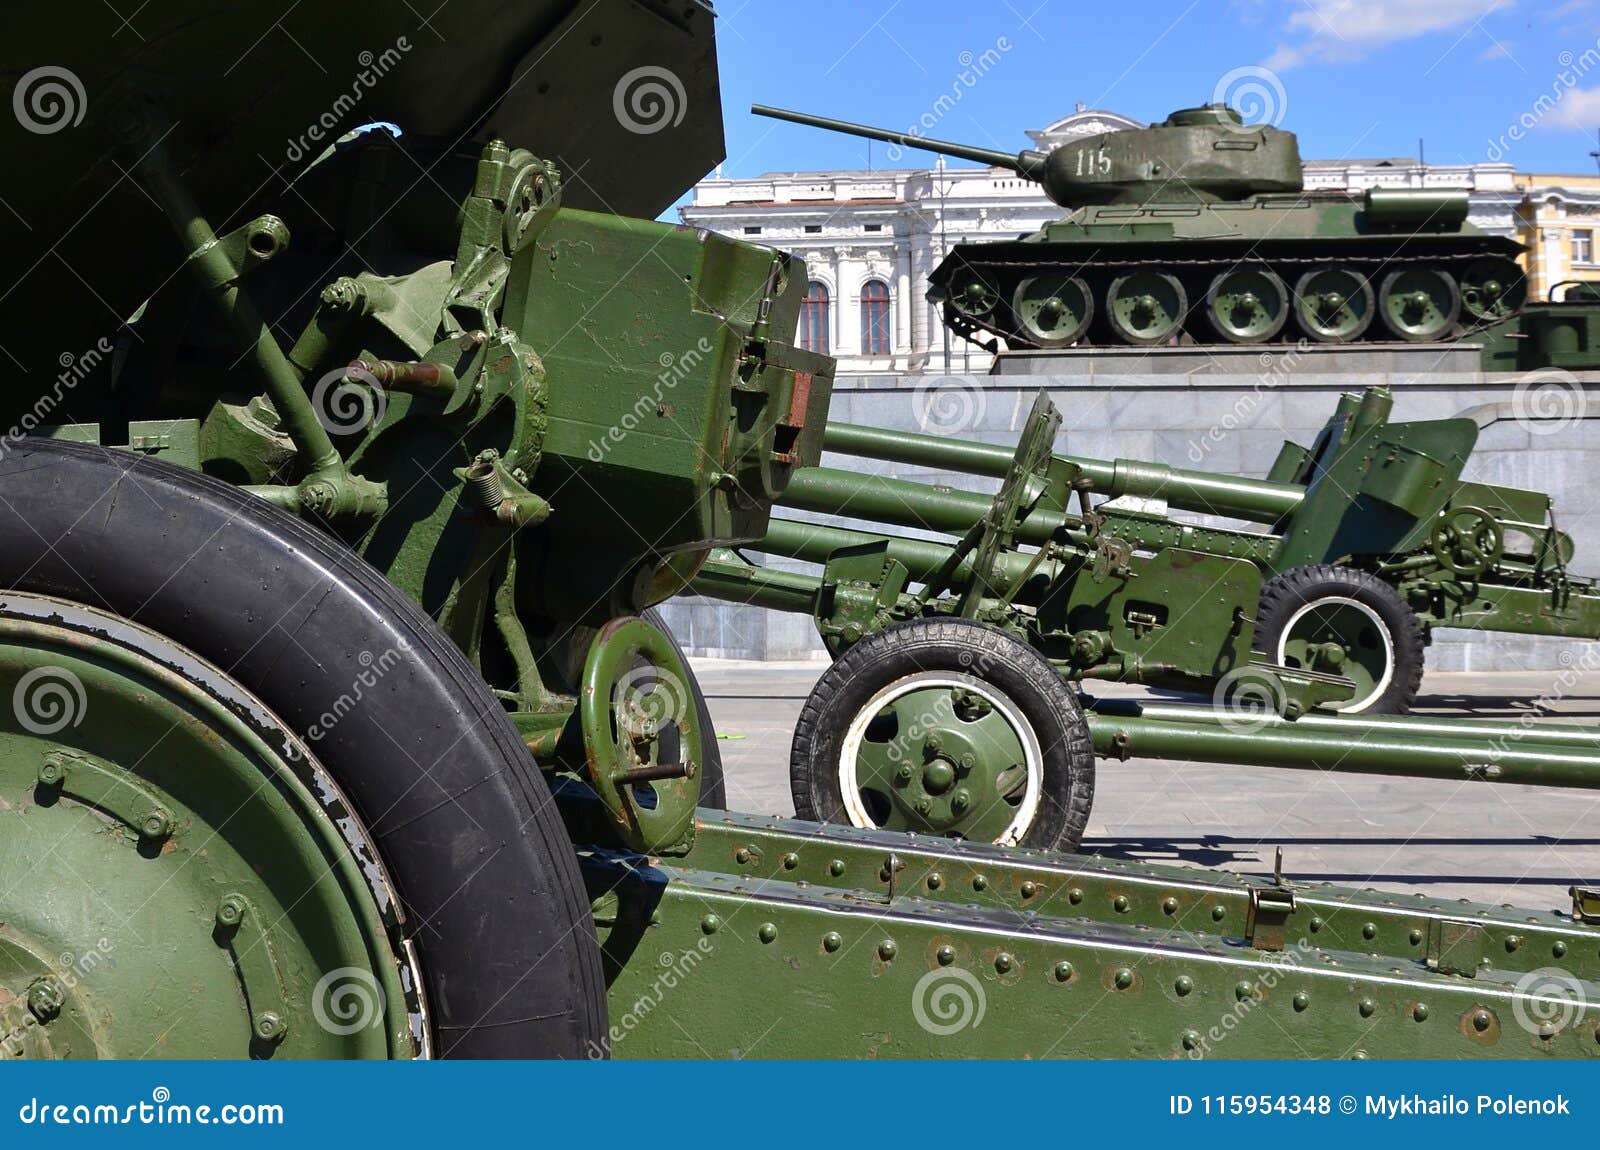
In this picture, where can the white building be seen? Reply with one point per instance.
(870, 239)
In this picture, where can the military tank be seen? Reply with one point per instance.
(1201, 227)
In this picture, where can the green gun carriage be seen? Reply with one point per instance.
(335, 728)
(1368, 540)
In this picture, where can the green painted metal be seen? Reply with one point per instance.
(183, 879)
(941, 950)
(1200, 227)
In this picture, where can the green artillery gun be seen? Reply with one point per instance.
(1372, 540)
(318, 591)
(1201, 226)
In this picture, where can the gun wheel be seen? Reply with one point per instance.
(1247, 305)
(1419, 304)
(1145, 308)
(1333, 305)
(277, 774)
(946, 727)
(1342, 621)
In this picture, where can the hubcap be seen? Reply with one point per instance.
(1420, 303)
(182, 877)
(1333, 305)
(1492, 289)
(1341, 636)
(1052, 311)
(946, 753)
(1248, 305)
(1145, 308)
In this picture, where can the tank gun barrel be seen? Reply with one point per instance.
(1026, 163)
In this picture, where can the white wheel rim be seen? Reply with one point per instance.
(1032, 751)
(1354, 705)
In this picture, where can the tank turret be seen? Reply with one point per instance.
(1200, 229)
(1197, 155)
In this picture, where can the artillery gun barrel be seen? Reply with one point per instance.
(1509, 731)
(922, 559)
(1023, 163)
(1256, 500)
(1376, 746)
(903, 503)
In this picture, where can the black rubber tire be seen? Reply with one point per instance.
(713, 788)
(1286, 593)
(1049, 705)
(495, 906)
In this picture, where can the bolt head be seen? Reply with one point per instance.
(231, 912)
(710, 924)
(1367, 1008)
(832, 941)
(45, 1000)
(790, 861)
(1063, 971)
(269, 1026)
(1184, 985)
(887, 949)
(768, 932)
(1003, 962)
(1481, 1021)
(946, 955)
(1124, 978)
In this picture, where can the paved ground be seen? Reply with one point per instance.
(1504, 844)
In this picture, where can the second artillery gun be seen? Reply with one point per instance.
(1372, 540)
(1202, 225)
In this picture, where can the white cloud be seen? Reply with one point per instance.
(1579, 108)
(1348, 29)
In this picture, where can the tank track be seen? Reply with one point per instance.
(1004, 266)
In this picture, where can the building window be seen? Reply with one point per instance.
(813, 229)
(875, 318)
(752, 229)
(1583, 246)
(872, 227)
(814, 319)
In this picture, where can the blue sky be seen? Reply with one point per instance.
(1354, 78)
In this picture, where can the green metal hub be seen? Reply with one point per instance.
(943, 752)
(1333, 305)
(184, 879)
(1341, 636)
(1247, 305)
(1145, 308)
(1420, 303)
(1053, 311)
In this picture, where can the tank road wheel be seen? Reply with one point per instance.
(1344, 622)
(1247, 305)
(946, 727)
(1145, 308)
(1492, 289)
(1053, 310)
(1333, 305)
(283, 792)
(1419, 304)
